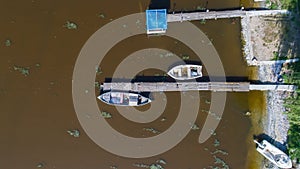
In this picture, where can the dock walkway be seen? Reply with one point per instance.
(193, 86)
(180, 17)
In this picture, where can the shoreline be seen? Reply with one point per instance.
(270, 118)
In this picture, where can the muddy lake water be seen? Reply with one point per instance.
(37, 110)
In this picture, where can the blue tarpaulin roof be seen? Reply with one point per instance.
(156, 19)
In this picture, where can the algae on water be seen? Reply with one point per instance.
(7, 42)
(106, 115)
(23, 70)
(74, 133)
(70, 25)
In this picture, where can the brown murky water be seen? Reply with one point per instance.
(37, 110)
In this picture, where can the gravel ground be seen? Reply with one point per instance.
(256, 49)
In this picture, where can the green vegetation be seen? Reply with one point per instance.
(200, 8)
(157, 165)
(202, 21)
(7, 42)
(221, 162)
(293, 111)
(152, 130)
(292, 75)
(106, 115)
(195, 127)
(23, 70)
(185, 57)
(97, 85)
(101, 15)
(292, 5)
(70, 25)
(98, 70)
(277, 57)
(74, 133)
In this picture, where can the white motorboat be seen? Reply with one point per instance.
(123, 99)
(273, 154)
(185, 72)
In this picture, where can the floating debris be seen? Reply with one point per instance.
(70, 25)
(151, 130)
(206, 149)
(185, 57)
(23, 70)
(216, 143)
(37, 65)
(74, 133)
(163, 119)
(101, 15)
(219, 151)
(113, 167)
(7, 42)
(106, 115)
(195, 127)
(161, 161)
(40, 165)
(248, 113)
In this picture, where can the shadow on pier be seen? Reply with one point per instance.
(159, 4)
(170, 79)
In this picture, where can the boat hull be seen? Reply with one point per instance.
(123, 99)
(273, 154)
(185, 72)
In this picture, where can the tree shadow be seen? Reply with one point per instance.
(289, 45)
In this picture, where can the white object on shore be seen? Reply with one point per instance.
(273, 154)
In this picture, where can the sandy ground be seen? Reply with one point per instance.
(272, 36)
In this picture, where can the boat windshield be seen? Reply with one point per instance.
(133, 98)
(281, 159)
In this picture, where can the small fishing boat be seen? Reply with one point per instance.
(273, 154)
(185, 72)
(123, 99)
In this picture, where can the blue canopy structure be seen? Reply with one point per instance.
(156, 21)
